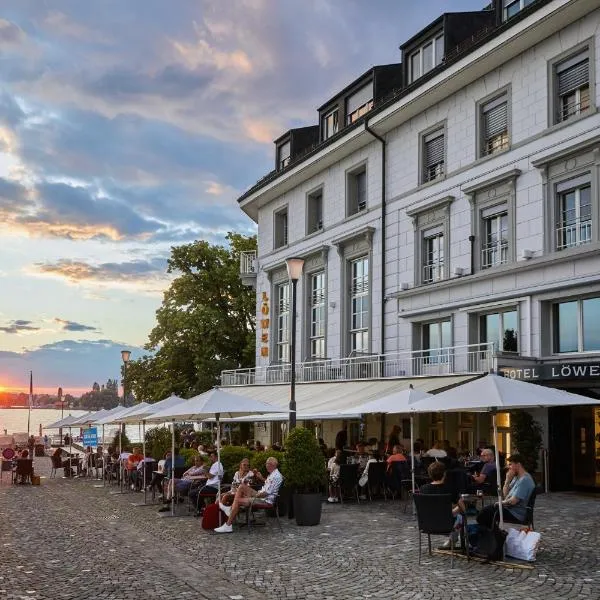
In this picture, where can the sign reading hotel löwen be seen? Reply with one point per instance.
(553, 372)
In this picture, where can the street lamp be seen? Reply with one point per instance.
(294, 269)
(125, 356)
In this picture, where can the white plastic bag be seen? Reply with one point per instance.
(522, 544)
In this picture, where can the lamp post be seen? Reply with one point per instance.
(294, 269)
(125, 356)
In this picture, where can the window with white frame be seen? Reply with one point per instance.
(513, 7)
(437, 339)
(317, 315)
(282, 323)
(283, 155)
(572, 86)
(500, 329)
(428, 56)
(356, 190)
(433, 160)
(280, 228)
(494, 249)
(574, 204)
(330, 124)
(577, 326)
(494, 125)
(433, 255)
(359, 103)
(314, 208)
(359, 305)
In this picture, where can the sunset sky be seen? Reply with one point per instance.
(127, 127)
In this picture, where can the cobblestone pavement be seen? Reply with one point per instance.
(70, 539)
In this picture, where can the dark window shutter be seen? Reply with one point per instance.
(573, 77)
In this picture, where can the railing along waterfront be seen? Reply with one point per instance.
(472, 358)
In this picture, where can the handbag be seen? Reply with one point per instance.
(522, 544)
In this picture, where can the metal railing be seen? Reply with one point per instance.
(248, 263)
(473, 358)
(574, 234)
(494, 254)
(433, 272)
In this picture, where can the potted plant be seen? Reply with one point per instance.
(304, 471)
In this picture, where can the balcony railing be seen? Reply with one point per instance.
(494, 254)
(473, 358)
(248, 263)
(574, 234)
(433, 272)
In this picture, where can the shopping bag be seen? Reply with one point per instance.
(522, 544)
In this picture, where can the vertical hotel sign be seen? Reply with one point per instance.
(264, 325)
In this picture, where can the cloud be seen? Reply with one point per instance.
(10, 33)
(19, 326)
(73, 326)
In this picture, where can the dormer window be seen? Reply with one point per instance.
(359, 103)
(283, 155)
(513, 7)
(428, 56)
(330, 124)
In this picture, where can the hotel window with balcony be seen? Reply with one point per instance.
(356, 190)
(283, 155)
(428, 56)
(282, 323)
(280, 227)
(513, 7)
(494, 125)
(317, 315)
(359, 304)
(494, 251)
(314, 211)
(436, 342)
(574, 223)
(571, 86)
(500, 329)
(433, 155)
(329, 125)
(359, 103)
(433, 255)
(577, 326)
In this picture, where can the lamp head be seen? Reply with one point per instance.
(294, 268)
(125, 355)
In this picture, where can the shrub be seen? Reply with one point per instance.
(231, 456)
(303, 465)
(526, 437)
(189, 454)
(260, 458)
(203, 437)
(158, 441)
(125, 441)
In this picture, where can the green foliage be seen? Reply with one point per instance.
(125, 441)
(158, 441)
(526, 437)
(259, 460)
(105, 396)
(203, 437)
(231, 456)
(303, 465)
(189, 454)
(204, 325)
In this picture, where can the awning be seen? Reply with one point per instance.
(341, 396)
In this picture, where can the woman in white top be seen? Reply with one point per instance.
(242, 475)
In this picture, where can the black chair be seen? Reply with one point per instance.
(434, 517)
(348, 481)
(529, 512)
(56, 462)
(23, 470)
(259, 505)
(376, 478)
(459, 482)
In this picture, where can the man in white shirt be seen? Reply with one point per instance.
(245, 495)
(215, 474)
(436, 451)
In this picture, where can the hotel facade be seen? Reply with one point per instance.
(447, 208)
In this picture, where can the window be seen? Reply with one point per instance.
(433, 256)
(574, 204)
(314, 208)
(500, 329)
(495, 242)
(437, 339)
(283, 155)
(494, 125)
(433, 155)
(572, 86)
(281, 228)
(577, 326)
(330, 124)
(359, 104)
(427, 57)
(317, 315)
(359, 305)
(513, 7)
(282, 352)
(357, 190)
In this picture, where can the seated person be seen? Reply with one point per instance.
(131, 465)
(242, 475)
(486, 478)
(517, 490)
(333, 466)
(362, 456)
(215, 474)
(182, 486)
(397, 455)
(364, 478)
(245, 494)
(436, 451)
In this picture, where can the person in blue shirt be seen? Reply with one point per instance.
(517, 490)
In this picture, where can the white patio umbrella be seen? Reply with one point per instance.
(141, 415)
(493, 393)
(93, 420)
(66, 422)
(214, 403)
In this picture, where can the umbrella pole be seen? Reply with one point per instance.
(217, 415)
(70, 451)
(103, 459)
(498, 480)
(144, 461)
(412, 457)
(172, 482)
(120, 457)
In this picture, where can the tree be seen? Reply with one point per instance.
(206, 323)
(105, 396)
(526, 437)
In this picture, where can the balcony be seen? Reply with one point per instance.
(454, 360)
(248, 268)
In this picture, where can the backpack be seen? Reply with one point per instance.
(489, 543)
(210, 518)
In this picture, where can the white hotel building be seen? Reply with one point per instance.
(448, 211)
